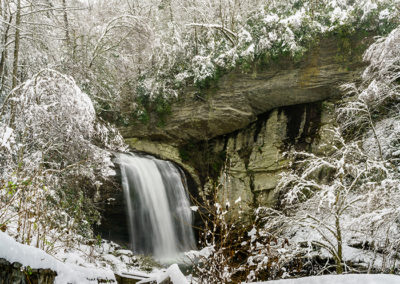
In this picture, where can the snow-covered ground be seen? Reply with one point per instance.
(75, 270)
(341, 279)
(173, 273)
(36, 258)
(72, 273)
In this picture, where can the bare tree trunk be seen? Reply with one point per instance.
(196, 52)
(66, 23)
(17, 44)
(371, 122)
(339, 260)
(4, 55)
(221, 14)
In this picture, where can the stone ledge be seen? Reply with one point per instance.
(15, 273)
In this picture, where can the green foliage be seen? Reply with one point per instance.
(143, 116)
(211, 80)
(346, 51)
(98, 240)
(11, 187)
(148, 263)
(146, 107)
(28, 270)
(162, 107)
(79, 206)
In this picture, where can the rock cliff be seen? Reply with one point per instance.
(238, 98)
(246, 121)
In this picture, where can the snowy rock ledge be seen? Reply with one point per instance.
(172, 275)
(15, 273)
(35, 258)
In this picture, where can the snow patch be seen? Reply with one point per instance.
(173, 273)
(36, 258)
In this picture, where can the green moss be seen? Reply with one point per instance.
(345, 50)
(148, 263)
(144, 117)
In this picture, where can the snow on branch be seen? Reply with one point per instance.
(230, 35)
(51, 143)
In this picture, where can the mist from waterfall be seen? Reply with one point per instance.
(158, 207)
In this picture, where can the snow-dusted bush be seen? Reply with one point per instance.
(349, 198)
(53, 125)
(52, 148)
(238, 247)
(372, 109)
(384, 60)
(132, 54)
(328, 196)
(220, 259)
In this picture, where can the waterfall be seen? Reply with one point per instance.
(158, 207)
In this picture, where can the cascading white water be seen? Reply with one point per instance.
(158, 207)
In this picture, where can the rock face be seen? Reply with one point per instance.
(14, 273)
(163, 151)
(248, 162)
(255, 156)
(238, 98)
(236, 132)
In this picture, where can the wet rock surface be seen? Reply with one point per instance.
(15, 273)
(253, 157)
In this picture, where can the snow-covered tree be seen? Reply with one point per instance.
(349, 196)
(137, 55)
(326, 193)
(52, 146)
